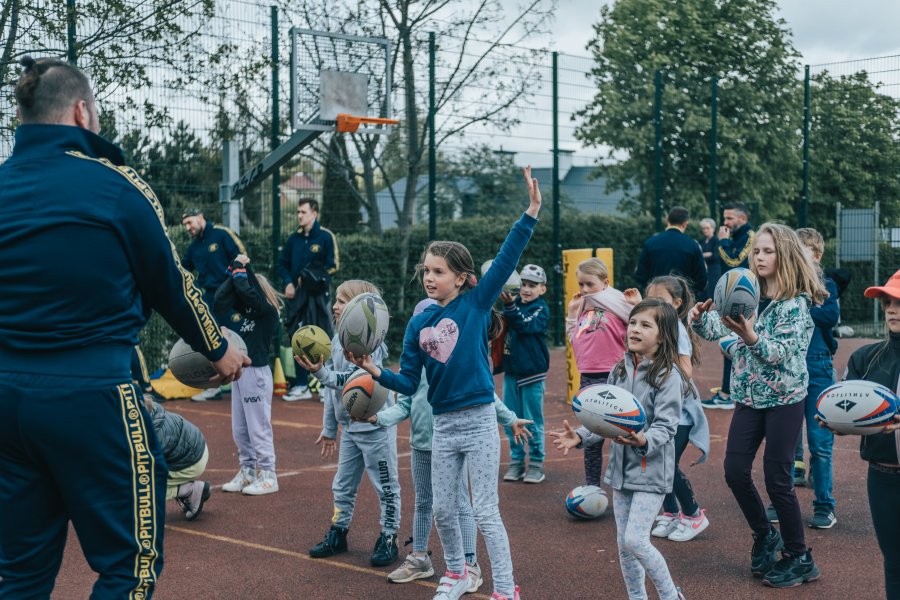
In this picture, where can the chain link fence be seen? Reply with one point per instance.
(173, 85)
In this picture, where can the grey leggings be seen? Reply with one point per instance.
(469, 438)
(421, 474)
(638, 558)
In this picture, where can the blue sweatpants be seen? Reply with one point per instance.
(527, 402)
(83, 452)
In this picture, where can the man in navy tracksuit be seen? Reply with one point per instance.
(673, 252)
(85, 258)
(211, 252)
(306, 264)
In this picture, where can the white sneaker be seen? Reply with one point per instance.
(412, 568)
(298, 392)
(266, 483)
(689, 527)
(666, 524)
(475, 578)
(244, 477)
(452, 586)
(207, 394)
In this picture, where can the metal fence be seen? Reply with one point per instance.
(170, 99)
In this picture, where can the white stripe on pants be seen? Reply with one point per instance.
(375, 452)
(469, 438)
(421, 474)
(251, 418)
(635, 513)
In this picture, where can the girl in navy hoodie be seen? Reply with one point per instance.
(448, 342)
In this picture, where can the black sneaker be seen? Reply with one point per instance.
(823, 518)
(386, 551)
(764, 553)
(792, 571)
(335, 542)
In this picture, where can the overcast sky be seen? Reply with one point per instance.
(823, 30)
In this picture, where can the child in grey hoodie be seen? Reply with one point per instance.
(642, 465)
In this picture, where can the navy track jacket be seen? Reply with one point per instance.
(86, 256)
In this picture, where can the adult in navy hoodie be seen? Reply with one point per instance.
(85, 259)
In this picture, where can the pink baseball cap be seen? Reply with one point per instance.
(891, 288)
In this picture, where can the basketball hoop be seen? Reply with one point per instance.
(350, 123)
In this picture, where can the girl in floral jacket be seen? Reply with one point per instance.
(768, 385)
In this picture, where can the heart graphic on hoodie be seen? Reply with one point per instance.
(439, 341)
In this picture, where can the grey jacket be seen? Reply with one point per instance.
(333, 375)
(651, 468)
(181, 441)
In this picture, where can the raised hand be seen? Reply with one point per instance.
(365, 363)
(632, 296)
(534, 193)
(743, 327)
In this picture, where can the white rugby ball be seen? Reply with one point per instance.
(192, 368)
(857, 407)
(737, 293)
(364, 324)
(609, 410)
(513, 283)
(587, 502)
(728, 345)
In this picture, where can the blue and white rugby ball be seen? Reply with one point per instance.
(609, 410)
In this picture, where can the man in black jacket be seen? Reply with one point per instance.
(671, 252)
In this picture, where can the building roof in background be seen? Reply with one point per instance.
(578, 189)
(301, 182)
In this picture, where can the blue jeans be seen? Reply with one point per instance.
(527, 402)
(820, 440)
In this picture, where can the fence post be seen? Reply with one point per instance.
(71, 53)
(837, 234)
(231, 208)
(713, 143)
(658, 162)
(432, 148)
(804, 197)
(276, 125)
(557, 244)
(876, 281)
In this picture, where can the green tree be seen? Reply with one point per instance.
(481, 182)
(749, 50)
(853, 149)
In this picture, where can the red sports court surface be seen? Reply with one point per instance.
(256, 547)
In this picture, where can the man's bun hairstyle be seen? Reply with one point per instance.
(47, 88)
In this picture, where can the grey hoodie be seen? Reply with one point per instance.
(651, 468)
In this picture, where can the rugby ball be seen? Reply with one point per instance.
(513, 283)
(311, 342)
(192, 368)
(737, 293)
(609, 410)
(587, 502)
(728, 345)
(857, 407)
(364, 324)
(363, 396)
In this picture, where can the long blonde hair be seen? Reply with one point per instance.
(272, 296)
(794, 274)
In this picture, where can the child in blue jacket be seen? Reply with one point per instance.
(525, 363)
